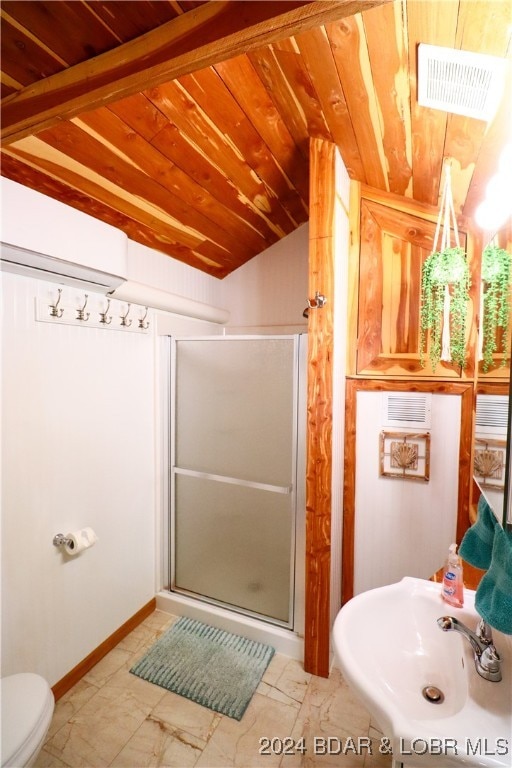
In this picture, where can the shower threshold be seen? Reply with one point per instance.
(285, 641)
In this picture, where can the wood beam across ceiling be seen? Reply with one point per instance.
(211, 33)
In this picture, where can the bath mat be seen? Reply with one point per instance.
(212, 667)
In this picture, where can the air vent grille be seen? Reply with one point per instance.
(407, 409)
(460, 82)
(491, 414)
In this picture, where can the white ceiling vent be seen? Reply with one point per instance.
(461, 82)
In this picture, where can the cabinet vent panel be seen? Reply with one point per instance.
(407, 409)
(491, 414)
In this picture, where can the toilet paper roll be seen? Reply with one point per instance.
(80, 540)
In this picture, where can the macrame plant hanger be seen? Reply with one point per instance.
(445, 219)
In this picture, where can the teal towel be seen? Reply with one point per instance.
(476, 546)
(493, 599)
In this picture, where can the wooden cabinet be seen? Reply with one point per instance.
(394, 243)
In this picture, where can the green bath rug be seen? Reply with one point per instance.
(212, 667)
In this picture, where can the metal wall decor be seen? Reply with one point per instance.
(489, 463)
(405, 455)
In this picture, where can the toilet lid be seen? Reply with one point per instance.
(25, 700)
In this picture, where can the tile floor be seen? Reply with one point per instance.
(113, 718)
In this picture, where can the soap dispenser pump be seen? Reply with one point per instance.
(453, 587)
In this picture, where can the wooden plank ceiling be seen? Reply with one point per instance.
(187, 124)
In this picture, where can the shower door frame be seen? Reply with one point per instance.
(296, 493)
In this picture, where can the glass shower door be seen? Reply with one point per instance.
(233, 473)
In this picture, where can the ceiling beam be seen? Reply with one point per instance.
(211, 33)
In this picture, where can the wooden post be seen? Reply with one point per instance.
(319, 407)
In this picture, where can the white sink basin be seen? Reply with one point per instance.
(389, 648)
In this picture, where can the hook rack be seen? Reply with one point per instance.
(124, 318)
(103, 315)
(80, 313)
(143, 323)
(54, 308)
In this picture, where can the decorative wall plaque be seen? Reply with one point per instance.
(489, 462)
(405, 455)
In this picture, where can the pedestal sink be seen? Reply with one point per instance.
(420, 683)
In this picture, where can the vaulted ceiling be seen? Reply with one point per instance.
(187, 124)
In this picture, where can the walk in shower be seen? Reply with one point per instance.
(237, 474)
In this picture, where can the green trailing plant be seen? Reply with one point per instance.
(444, 269)
(497, 279)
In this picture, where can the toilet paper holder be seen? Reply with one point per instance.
(59, 540)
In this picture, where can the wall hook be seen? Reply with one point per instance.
(103, 315)
(80, 313)
(143, 323)
(54, 308)
(317, 303)
(124, 318)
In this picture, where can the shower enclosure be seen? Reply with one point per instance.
(234, 411)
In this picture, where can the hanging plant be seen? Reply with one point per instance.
(497, 279)
(445, 284)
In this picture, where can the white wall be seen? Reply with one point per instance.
(271, 290)
(404, 527)
(81, 445)
(77, 450)
(82, 438)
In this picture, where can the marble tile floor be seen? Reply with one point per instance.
(113, 718)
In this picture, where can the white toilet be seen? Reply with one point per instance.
(27, 704)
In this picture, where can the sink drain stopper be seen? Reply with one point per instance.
(433, 694)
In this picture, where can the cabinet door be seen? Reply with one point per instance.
(394, 246)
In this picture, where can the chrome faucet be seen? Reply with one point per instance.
(487, 658)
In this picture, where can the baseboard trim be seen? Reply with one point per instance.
(81, 669)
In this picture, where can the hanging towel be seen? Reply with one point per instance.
(493, 600)
(476, 546)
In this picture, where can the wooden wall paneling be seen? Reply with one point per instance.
(85, 149)
(318, 59)
(462, 389)
(241, 78)
(350, 52)
(433, 23)
(370, 291)
(104, 124)
(349, 491)
(186, 115)
(465, 460)
(211, 33)
(37, 62)
(143, 116)
(393, 248)
(319, 410)
(265, 63)
(353, 275)
(73, 188)
(240, 120)
(110, 171)
(295, 71)
(45, 21)
(390, 72)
